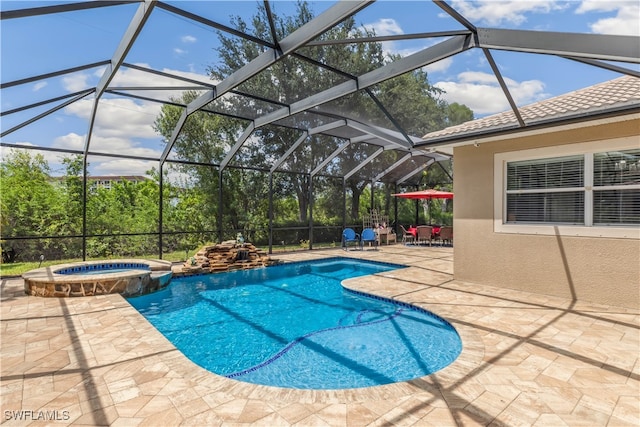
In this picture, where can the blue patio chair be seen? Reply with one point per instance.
(368, 235)
(350, 236)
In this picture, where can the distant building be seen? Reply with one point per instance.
(105, 181)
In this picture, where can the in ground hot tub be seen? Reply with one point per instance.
(128, 277)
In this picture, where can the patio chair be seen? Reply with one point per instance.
(350, 236)
(424, 234)
(370, 236)
(446, 234)
(406, 236)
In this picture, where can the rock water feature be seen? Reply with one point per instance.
(133, 277)
(229, 255)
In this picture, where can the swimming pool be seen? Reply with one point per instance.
(295, 326)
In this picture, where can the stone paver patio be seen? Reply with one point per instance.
(528, 360)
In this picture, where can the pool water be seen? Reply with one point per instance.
(295, 326)
(102, 268)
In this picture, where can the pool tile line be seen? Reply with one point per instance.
(338, 258)
(300, 339)
(401, 304)
(100, 267)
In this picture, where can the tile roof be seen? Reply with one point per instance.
(611, 95)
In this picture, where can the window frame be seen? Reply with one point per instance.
(588, 149)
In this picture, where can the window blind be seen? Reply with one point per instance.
(542, 174)
(555, 190)
(616, 187)
(546, 190)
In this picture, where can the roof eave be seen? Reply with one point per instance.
(475, 137)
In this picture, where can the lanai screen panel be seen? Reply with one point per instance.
(143, 83)
(414, 164)
(358, 106)
(314, 121)
(380, 163)
(263, 147)
(241, 105)
(312, 75)
(291, 79)
(205, 137)
(310, 154)
(99, 28)
(352, 157)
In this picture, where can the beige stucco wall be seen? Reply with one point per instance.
(601, 270)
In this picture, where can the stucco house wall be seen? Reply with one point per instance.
(582, 268)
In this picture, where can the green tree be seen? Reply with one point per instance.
(124, 208)
(457, 113)
(412, 101)
(72, 193)
(293, 78)
(30, 203)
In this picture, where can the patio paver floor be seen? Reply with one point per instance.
(528, 360)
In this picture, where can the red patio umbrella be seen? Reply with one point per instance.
(426, 194)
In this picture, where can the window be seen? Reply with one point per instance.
(546, 190)
(594, 192)
(616, 187)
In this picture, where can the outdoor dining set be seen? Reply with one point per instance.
(419, 235)
(375, 228)
(427, 234)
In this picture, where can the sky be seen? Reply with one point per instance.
(44, 44)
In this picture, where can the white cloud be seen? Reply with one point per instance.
(121, 167)
(123, 125)
(76, 82)
(179, 51)
(388, 26)
(119, 117)
(385, 27)
(128, 117)
(188, 39)
(111, 145)
(39, 85)
(439, 66)
(626, 21)
(130, 77)
(482, 93)
(495, 13)
(122, 122)
(70, 141)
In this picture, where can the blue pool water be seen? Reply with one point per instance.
(295, 326)
(102, 268)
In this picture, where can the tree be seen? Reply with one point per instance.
(291, 79)
(412, 101)
(457, 113)
(72, 193)
(30, 203)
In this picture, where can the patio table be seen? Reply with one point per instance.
(386, 235)
(434, 231)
